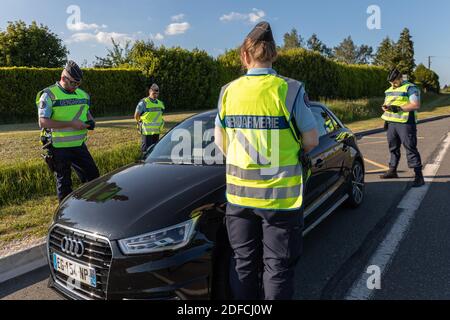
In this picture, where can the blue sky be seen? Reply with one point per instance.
(217, 25)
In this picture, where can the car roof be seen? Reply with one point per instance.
(209, 113)
(213, 112)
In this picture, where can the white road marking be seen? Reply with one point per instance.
(390, 244)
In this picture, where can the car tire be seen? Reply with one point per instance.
(356, 185)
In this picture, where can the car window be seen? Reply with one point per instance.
(190, 142)
(325, 123)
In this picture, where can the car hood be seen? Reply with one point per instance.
(139, 198)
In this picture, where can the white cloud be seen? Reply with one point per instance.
(233, 16)
(254, 16)
(178, 17)
(177, 28)
(100, 37)
(81, 26)
(157, 37)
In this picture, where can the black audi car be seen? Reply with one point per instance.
(155, 229)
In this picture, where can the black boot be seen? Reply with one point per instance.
(391, 174)
(419, 180)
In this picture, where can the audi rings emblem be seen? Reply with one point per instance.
(72, 246)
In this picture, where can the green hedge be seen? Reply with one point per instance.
(323, 77)
(189, 80)
(112, 91)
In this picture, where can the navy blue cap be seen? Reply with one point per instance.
(74, 70)
(394, 75)
(261, 32)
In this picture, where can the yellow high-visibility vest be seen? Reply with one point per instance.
(263, 168)
(67, 107)
(398, 97)
(152, 118)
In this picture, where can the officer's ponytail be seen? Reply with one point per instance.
(260, 50)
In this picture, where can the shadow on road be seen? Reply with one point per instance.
(349, 237)
(24, 281)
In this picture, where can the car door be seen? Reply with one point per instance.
(317, 183)
(333, 147)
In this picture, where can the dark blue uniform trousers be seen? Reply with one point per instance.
(263, 242)
(406, 134)
(148, 141)
(77, 158)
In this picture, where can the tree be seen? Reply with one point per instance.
(364, 54)
(315, 44)
(117, 56)
(346, 51)
(427, 79)
(385, 55)
(350, 53)
(404, 53)
(31, 46)
(142, 55)
(292, 40)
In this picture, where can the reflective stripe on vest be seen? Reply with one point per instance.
(263, 167)
(67, 107)
(152, 120)
(397, 97)
(255, 174)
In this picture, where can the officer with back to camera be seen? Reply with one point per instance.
(263, 127)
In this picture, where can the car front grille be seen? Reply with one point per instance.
(97, 254)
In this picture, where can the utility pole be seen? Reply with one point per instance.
(440, 57)
(429, 61)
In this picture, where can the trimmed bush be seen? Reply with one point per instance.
(112, 91)
(189, 80)
(324, 78)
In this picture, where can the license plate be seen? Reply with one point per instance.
(74, 270)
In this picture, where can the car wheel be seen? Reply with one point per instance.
(356, 185)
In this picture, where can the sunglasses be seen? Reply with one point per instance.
(72, 83)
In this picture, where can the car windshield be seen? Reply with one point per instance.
(191, 142)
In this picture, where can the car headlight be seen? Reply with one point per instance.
(170, 238)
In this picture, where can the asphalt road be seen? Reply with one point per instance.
(338, 251)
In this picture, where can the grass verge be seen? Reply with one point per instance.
(24, 180)
(26, 221)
